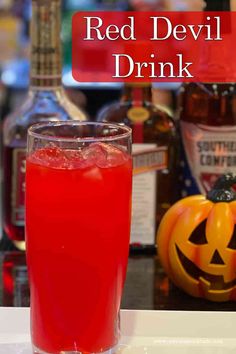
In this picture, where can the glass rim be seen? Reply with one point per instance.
(32, 131)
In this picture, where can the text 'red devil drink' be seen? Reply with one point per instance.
(78, 206)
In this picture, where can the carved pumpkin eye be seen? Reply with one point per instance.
(232, 242)
(198, 236)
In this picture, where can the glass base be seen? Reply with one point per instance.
(109, 351)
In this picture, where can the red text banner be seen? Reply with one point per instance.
(154, 46)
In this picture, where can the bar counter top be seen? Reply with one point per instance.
(147, 286)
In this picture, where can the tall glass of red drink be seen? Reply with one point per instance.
(78, 210)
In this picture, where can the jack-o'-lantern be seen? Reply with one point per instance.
(197, 242)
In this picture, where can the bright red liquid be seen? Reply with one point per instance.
(77, 234)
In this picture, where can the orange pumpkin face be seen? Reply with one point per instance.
(197, 247)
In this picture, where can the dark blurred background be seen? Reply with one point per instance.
(14, 50)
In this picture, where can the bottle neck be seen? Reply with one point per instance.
(46, 65)
(52, 93)
(137, 94)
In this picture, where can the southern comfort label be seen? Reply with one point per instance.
(210, 152)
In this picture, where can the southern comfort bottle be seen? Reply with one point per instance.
(154, 157)
(208, 125)
(46, 101)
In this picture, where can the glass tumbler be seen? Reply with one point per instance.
(78, 211)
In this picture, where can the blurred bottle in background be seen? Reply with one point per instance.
(185, 5)
(10, 26)
(167, 5)
(46, 100)
(207, 114)
(15, 290)
(233, 5)
(154, 148)
(18, 65)
(147, 5)
(113, 4)
(69, 8)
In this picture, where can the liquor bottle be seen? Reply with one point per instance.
(46, 101)
(154, 157)
(15, 286)
(10, 27)
(208, 125)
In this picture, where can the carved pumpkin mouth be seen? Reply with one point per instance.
(216, 281)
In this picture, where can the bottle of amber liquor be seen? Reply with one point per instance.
(207, 114)
(46, 101)
(154, 156)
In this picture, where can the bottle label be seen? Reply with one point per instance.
(147, 160)
(210, 152)
(148, 157)
(18, 187)
(138, 114)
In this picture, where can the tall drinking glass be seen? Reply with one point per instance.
(78, 211)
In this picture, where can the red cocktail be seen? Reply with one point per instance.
(78, 210)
